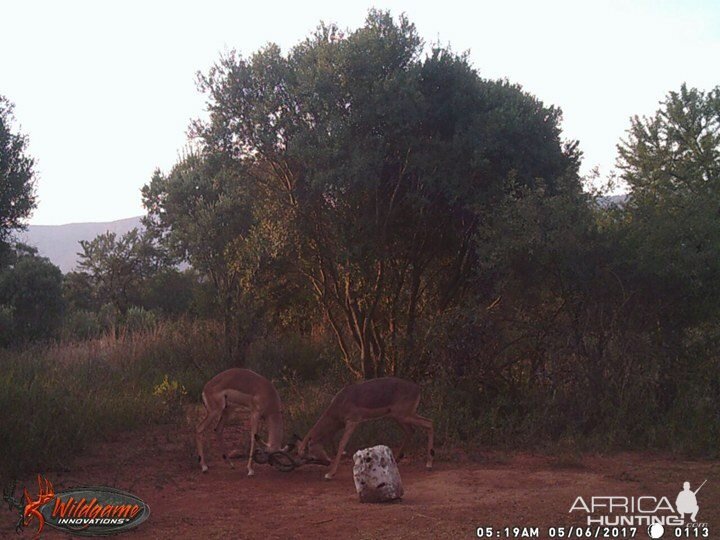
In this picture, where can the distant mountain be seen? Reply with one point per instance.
(61, 243)
(613, 200)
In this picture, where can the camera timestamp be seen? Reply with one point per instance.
(507, 532)
(557, 532)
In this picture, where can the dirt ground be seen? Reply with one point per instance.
(462, 493)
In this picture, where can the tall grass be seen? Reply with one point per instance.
(56, 400)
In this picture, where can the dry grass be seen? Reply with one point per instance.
(57, 399)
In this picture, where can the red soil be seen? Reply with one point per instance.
(460, 495)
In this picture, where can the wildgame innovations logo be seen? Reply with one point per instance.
(82, 511)
(643, 511)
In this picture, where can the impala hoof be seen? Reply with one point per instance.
(428, 466)
(204, 468)
(328, 476)
(251, 473)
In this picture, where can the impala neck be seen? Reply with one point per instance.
(275, 431)
(323, 429)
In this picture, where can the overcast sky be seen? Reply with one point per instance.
(106, 90)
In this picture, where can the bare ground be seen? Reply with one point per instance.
(492, 489)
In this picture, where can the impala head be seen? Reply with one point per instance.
(321, 433)
(293, 444)
(275, 431)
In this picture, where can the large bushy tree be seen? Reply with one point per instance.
(115, 269)
(671, 162)
(30, 297)
(17, 174)
(371, 168)
(202, 211)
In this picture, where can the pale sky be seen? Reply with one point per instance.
(106, 90)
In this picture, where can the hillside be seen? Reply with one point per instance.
(60, 243)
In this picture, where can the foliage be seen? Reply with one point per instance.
(109, 318)
(286, 354)
(60, 398)
(358, 172)
(169, 291)
(80, 324)
(138, 319)
(201, 212)
(676, 152)
(172, 395)
(78, 291)
(671, 161)
(31, 294)
(17, 175)
(6, 325)
(115, 268)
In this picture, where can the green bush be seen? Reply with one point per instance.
(6, 325)
(289, 354)
(138, 319)
(109, 317)
(80, 325)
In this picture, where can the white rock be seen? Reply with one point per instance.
(376, 475)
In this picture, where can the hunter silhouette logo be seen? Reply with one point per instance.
(686, 502)
(85, 511)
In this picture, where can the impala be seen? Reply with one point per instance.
(241, 388)
(377, 398)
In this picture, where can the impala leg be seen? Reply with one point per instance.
(319, 452)
(426, 424)
(349, 429)
(199, 431)
(262, 443)
(221, 442)
(408, 431)
(254, 423)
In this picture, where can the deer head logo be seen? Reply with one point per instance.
(32, 506)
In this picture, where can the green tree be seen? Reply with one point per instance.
(202, 211)
(671, 242)
(675, 152)
(373, 169)
(17, 175)
(78, 291)
(671, 161)
(115, 268)
(31, 297)
(170, 291)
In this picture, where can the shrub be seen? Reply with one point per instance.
(80, 325)
(138, 319)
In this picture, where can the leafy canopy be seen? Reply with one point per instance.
(366, 168)
(671, 161)
(17, 174)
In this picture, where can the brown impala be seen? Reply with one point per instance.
(389, 396)
(241, 388)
